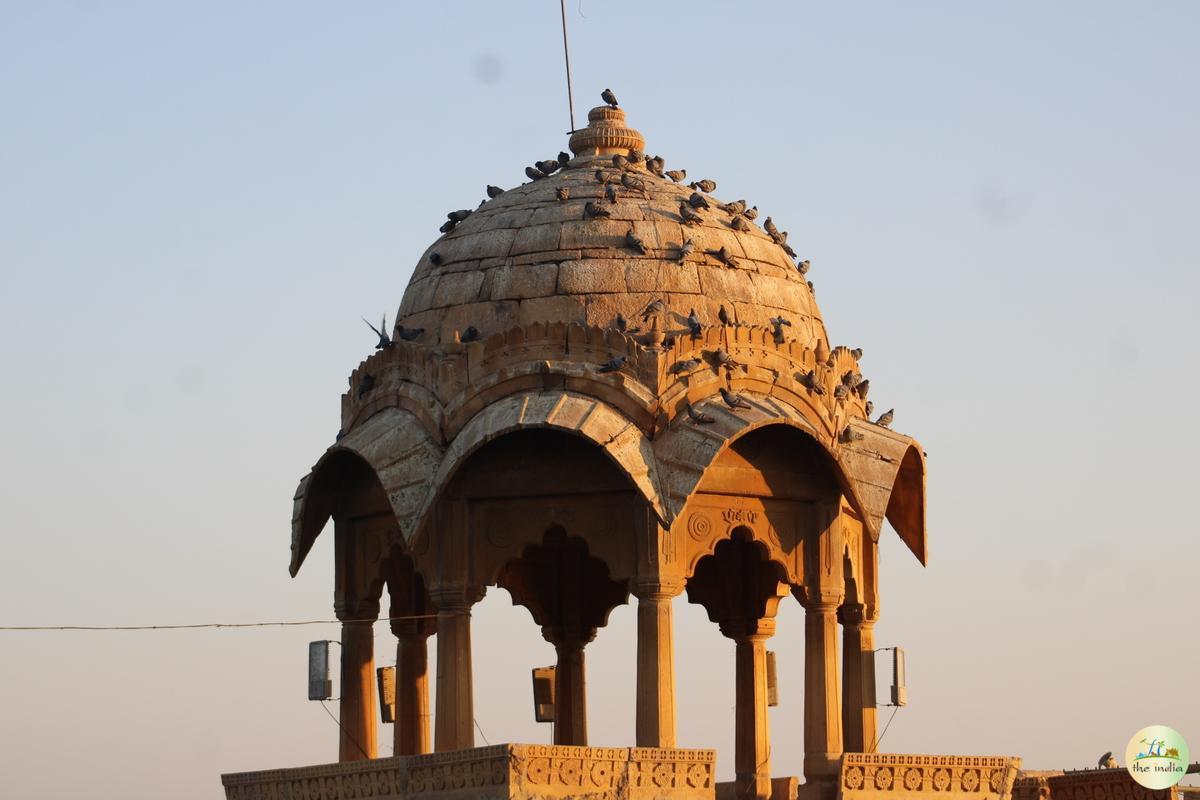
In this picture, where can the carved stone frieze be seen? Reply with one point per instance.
(874, 775)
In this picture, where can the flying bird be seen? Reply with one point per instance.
(612, 366)
(562, 193)
(652, 308)
(384, 342)
(677, 175)
(686, 250)
(608, 97)
(494, 191)
(634, 242)
(733, 399)
(699, 417)
(705, 185)
(688, 365)
(471, 334)
(885, 419)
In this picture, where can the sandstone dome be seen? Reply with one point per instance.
(528, 257)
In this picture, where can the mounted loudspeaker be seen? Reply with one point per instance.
(899, 690)
(772, 681)
(320, 686)
(543, 694)
(386, 678)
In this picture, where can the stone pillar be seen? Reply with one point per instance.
(357, 738)
(655, 663)
(412, 691)
(455, 720)
(822, 698)
(752, 742)
(858, 678)
(570, 698)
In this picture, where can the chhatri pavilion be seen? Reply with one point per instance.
(607, 386)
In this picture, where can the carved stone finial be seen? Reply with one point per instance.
(606, 134)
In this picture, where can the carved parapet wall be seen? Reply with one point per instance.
(499, 771)
(886, 775)
(1104, 784)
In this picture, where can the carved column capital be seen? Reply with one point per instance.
(816, 599)
(656, 588)
(860, 615)
(748, 630)
(356, 610)
(455, 598)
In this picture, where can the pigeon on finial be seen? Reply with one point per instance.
(384, 340)
(494, 191)
(885, 419)
(608, 97)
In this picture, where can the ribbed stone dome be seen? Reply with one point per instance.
(527, 257)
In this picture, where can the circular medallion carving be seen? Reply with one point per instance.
(601, 774)
(941, 780)
(662, 774)
(537, 769)
(995, 781)
(854, 777)
(699, 526)
(697, 776)
(479, 773)
(912, 779)
(569, 771)
(883, 778)
(970, 780)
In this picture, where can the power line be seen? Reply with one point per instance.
(567, 57)
(349, 735)
(200, 625)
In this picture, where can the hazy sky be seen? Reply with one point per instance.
(199, 201)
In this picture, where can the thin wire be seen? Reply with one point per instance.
(481, 736)
(11, 628)
(562, 4)
(348, 734)
(875, 746)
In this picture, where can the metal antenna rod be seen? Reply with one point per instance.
(567, 57)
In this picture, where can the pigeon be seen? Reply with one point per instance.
(548, 166)
(608, 97)
(630, 182)
(778, 323)
(852, 378)
(636, 157)
(687, 365)
(688, 216)
(857, 353)
(677, 175)
(620, 162)
(770, 228)
(847, 436)
(656, 165)
(562, 193)
(736, 207)
(841, 390)
(365, 384)
(435, 259)
(697, 200)
(1107, 761)
(812, 288)
(471, 334)
(739, 223)
(733, 399)
(460, 215)
(787, 248)
(533, 173)
(610, 192)
(869, 408)
(384, 342)
(803, 267)
(723, 315)
(811, 382)
(885, 419)
(699, 417)
(613, 365)
(863, 388)
(652, 308)
(339, 436)
(693, 324)
(447, 226)
(602, 177)
(621, 322)
(590, 209)
(705, 185)
(408, 334)
(564, 158)
(722, 359)
(751, 213)
(494, 191)
(686, 250)
(724, 256)
(668, 341)
(633, 242)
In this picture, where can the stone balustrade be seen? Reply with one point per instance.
(872, 776)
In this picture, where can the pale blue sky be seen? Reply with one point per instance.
(200, 200)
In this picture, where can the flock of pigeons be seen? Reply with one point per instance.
(622, 178)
